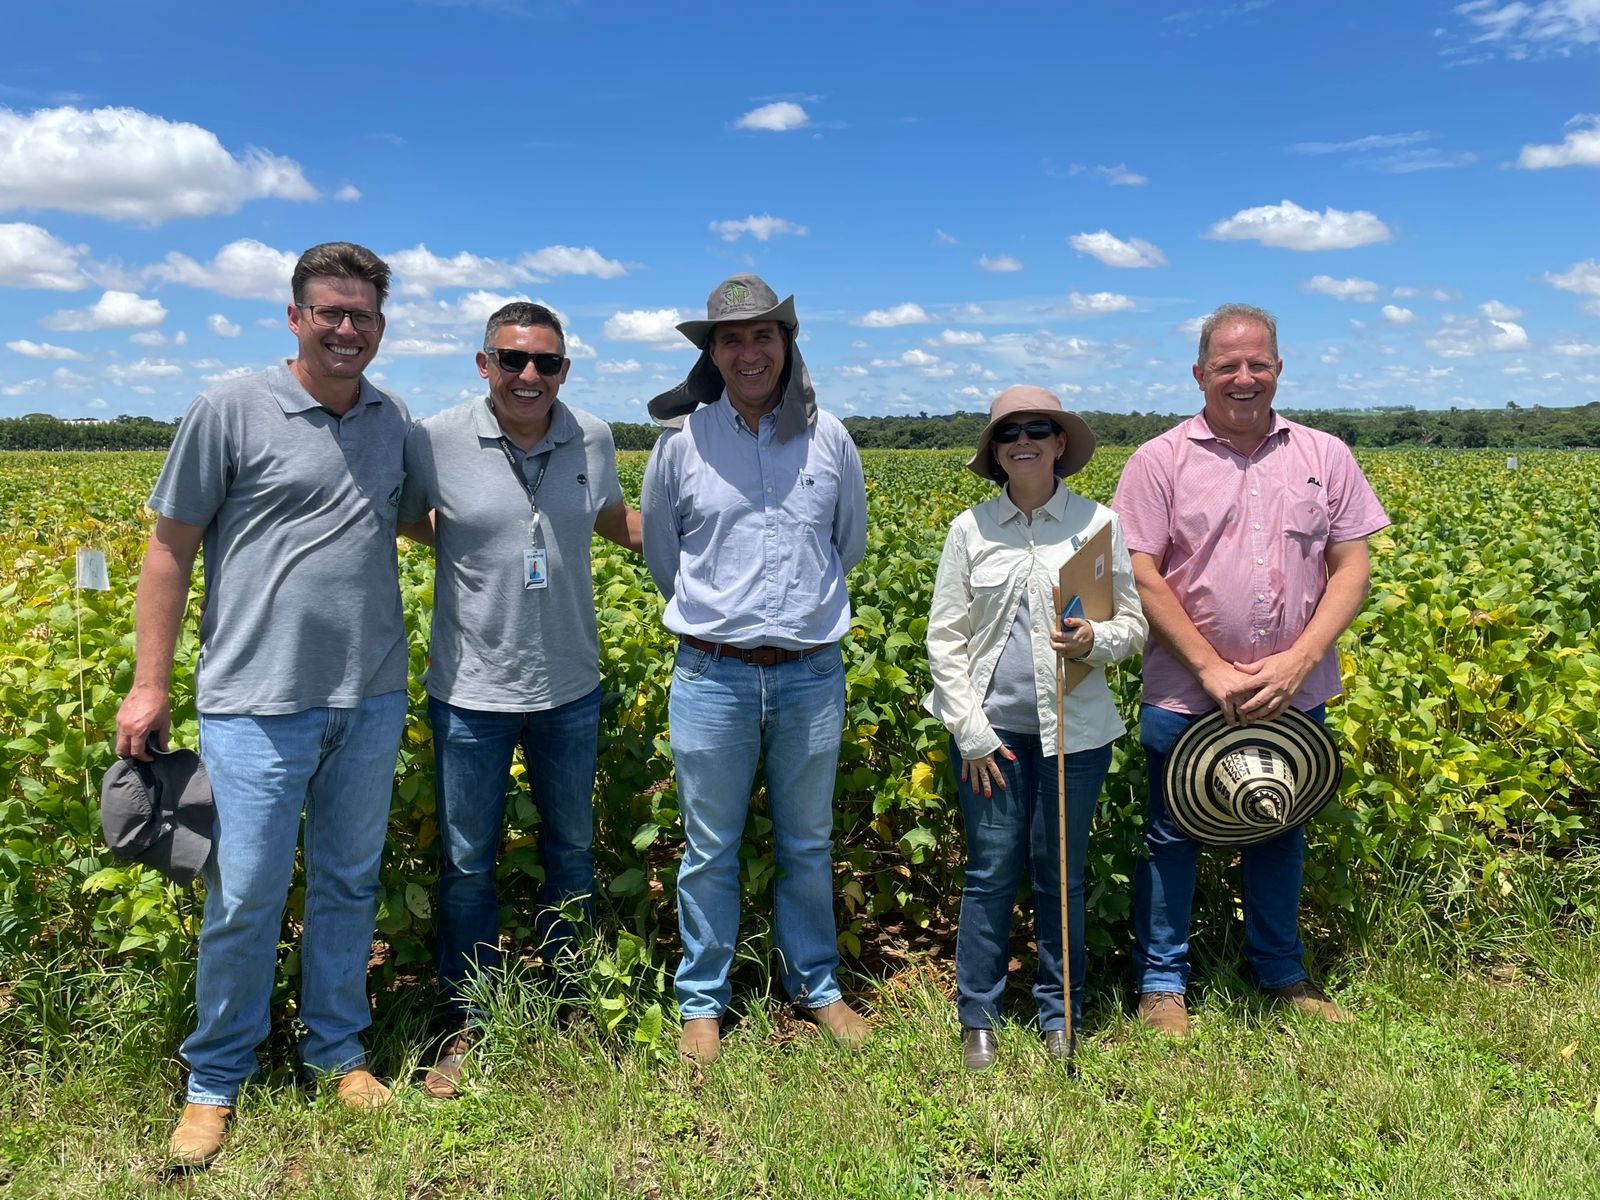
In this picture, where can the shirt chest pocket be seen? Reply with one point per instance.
(991, 577)
(1305, 516)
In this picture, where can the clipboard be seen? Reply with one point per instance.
(1087, 575)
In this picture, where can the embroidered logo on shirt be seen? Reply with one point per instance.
(807, 481)
(583, 480)
(1312, 479)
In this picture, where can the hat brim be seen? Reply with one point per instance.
(699, 332)
(1200, 814)
(1074, 456)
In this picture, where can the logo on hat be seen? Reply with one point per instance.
(735, 294)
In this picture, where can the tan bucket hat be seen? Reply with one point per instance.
(1234, 785)
(1019, 403)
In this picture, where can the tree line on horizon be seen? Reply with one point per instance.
(1511, 427)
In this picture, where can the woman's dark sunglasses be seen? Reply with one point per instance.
(513, 362)
(1037, 431)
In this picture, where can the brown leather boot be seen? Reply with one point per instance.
(443, 1080)
(1306, 997)
(701, 1040)
(1165, 1012)
(843, 1023)
(198, 1138)
(360, 1088)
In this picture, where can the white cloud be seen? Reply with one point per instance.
(1576, 349)
(145, 368)
(129, 165)
(852, 372)
(348, 194)
(901, 314)
(1580, 148)
(1396, 315)
(245, 269)
(658, 326)
(961, 337)
(1114, 252)
(419, 270)
(425, 347)
(1372, 141)
(944, 239)
(1096, 303)
(1582, 278)
(774, 118)
(237, 373)
(1467, 337)
(568, 260)
(43, 350)
(31, 258)
(1003, 263)
(1525, 29)
(919, 358)
(1418, 293)
(1118, 174)
(470, 311)
(577, 348)
(627, 366)
(149, 337)
(114, 310)
(761, 228)
(1497, 311)
(1343, 289)
(1290, 227)
(221, 326)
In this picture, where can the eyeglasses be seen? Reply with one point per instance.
(512, 362)
(330, 317)
(1037, 431)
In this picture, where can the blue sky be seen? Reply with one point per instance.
(961, 197)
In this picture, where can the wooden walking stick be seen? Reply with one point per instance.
(1061, 821)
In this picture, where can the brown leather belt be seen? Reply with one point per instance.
(755, 656)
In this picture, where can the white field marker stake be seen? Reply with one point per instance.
(90, 573)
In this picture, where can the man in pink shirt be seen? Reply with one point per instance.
(1248, 535)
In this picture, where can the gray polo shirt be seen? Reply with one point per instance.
(496, 645)
(301, 607)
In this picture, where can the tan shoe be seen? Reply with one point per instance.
(701, 1040)
(845, 1024)
(1165, 1012)
(1306, 997)
(198, 1137)
(360, 1088)
(443, 1080)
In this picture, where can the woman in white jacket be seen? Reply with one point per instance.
(993, 635)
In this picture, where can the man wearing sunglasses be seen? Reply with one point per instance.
(509, 489)
(754, 509)
(1248, 534)
(290, 480)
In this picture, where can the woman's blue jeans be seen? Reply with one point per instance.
(1013, 828)
(724, 715)
(1164, 879)
(472, 753)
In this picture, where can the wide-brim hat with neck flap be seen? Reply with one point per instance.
(1018, 403)
(740, 298)
(1234, 785)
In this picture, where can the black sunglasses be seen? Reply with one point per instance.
(513, 362)
(1037, 431)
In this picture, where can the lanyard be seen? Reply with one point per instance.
(531, 489)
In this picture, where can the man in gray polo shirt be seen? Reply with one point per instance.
(754, 509)
(290, 481)
(516, 483)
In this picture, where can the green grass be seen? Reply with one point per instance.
(1457, 1080)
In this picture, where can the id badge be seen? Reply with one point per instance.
(535, 568)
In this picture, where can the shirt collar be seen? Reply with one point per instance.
(1053, 508)
(563, 427)
(1198, 429)
(293, 398)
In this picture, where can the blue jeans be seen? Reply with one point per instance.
(723, 715)
(1006, 830)
(1163, 883)
(337, 766)
(472, 764)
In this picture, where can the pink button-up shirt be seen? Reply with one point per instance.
(1242, 542)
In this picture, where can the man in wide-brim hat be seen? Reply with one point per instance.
(754, 509)
(1248, 534)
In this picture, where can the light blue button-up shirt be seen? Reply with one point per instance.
(749, 536)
